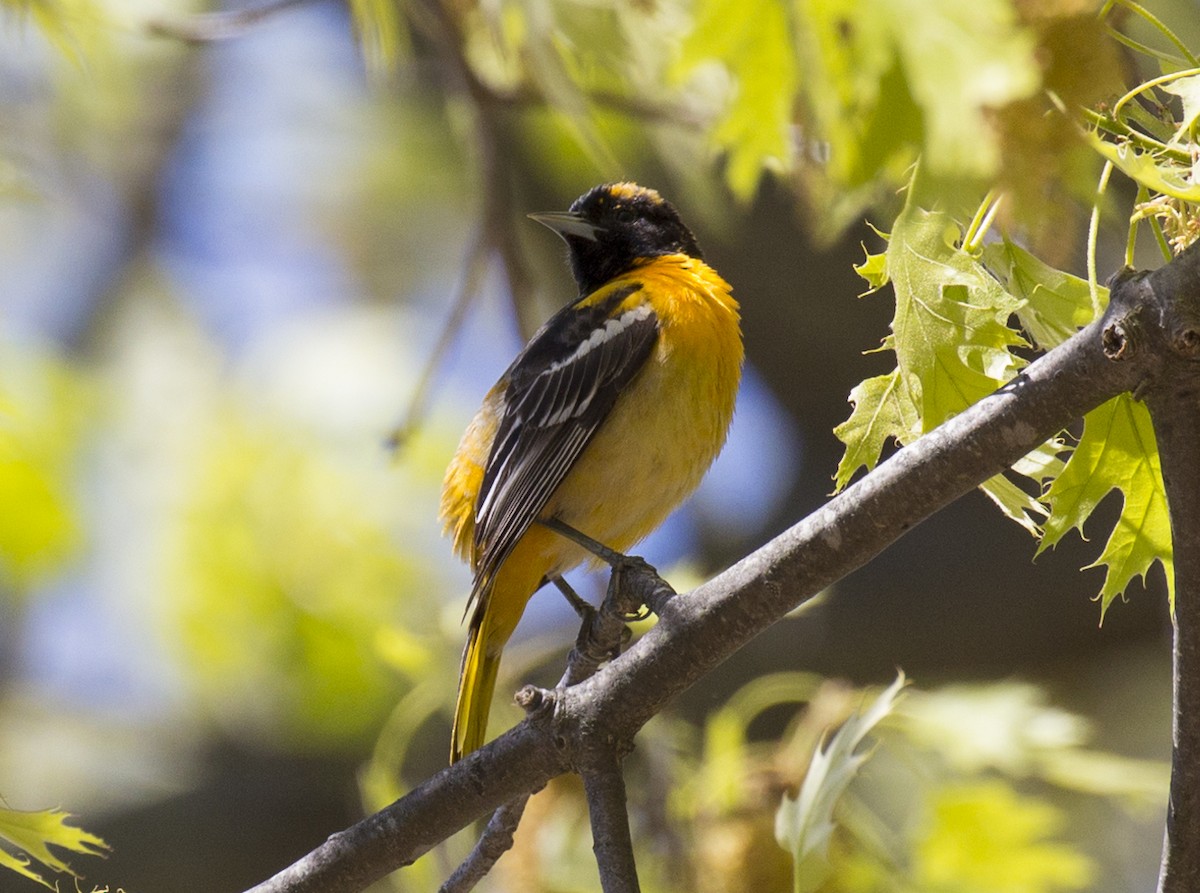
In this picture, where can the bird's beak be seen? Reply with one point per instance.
(568, 223)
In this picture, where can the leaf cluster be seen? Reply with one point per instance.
(969, 310)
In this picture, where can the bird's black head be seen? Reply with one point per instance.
(612, 227)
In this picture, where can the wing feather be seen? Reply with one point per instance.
(561, 388)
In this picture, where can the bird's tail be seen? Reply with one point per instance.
(476, 685)
(499, 602)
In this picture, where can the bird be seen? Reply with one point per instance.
(604, 423)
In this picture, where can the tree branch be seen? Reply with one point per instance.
(1175, 409)
(601, 634)
(210, 27)
(496, 840)
(698, 631)
(611, 841)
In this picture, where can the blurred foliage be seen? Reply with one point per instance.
(382, 34)
(804, 823)
(31, 834)
(985, 837)
(968, 788)
(72, 26)
(44, 419)
(285, 572)
(838, 97)
(752, 42)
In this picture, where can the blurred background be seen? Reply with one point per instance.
(257, 272)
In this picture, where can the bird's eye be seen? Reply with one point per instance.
(624, 215)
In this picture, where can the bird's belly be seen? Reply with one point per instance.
(648, 456)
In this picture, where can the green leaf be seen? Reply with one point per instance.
(883, 411)
(1117, 451)
(751, 40)
(1055, 305)
(1040, 466)
(874, 267)
(1015, 503)
(949, 334)
(1155, 173)
(32, 833)
(20, 864)
(804, 823)
(1188, 91)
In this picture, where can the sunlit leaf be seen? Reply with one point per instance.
(1117, 451)
(949, 334)
(752, 41)
(884, 412)
(1188, 91)
(33, 833)
(1055, 305)
(1150, 170)
(1016, 504)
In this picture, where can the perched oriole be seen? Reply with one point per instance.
(605, 421)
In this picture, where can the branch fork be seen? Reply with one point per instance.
(603, 632)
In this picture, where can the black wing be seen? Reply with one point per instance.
(561, 388)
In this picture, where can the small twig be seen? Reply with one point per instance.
(468, 291)
(496, 840)
(437, 21)
(612, 843)
(208, 27)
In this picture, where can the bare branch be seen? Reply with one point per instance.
(611, 841)
(208, 27)
(496, 840)
(601, 635)
(520, 761)
(1174, 402)
(468, 291)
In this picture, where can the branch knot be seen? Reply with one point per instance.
(1116, 341)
